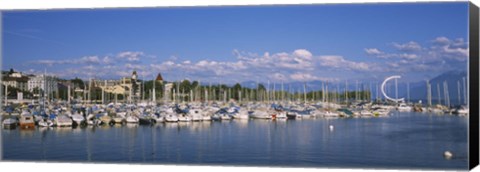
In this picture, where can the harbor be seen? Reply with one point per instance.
(267, 128)
(371, 86)
(416, 139)
(210, 103)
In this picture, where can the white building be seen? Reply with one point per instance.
(16, 80)
(43, 82)
(167, 91)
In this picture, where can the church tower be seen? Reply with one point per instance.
(134, 75)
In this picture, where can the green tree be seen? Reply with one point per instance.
(194, 84)
(185, 86)
(78, 82)
(237, 87)
(261, 87)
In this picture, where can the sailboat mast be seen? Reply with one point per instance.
(45, 87)
(191, 95)
(206, 95)
(282, 94)
(154, 94)
(68, 94)
(143, 88)
(90, 90)
(103, 92)
(447, 94)
(356, 90)
(326, 92)
(268, 90)
(346, 91)
(337, 97)
(396, 88)
(438, 93)
(429, 94)
(6, 94)
(370, 91)
(323, 92)
(408, 92)
(305, 92)
(458, 93)
(274, 91)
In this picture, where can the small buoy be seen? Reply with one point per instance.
(447, 154)
(331, 127)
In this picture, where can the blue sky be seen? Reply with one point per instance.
(244, 43)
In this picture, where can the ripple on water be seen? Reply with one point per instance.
(400, 141)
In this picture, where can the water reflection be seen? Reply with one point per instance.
(171, 125)
(241, 123)
(199, 126)
(131, 125)
(401, 140)
(62, 131)
(77, 131)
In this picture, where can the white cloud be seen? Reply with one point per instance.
(446, 49)
(299, 59)
(279, 77)
(46, 62)
(408, 47)
(88, 60)
(373, 51)
(130, 56)
(107, 60)
(460, 54)
(443, 53)
(441, 40)
(303, 77)
(122, 73)
(297, 65)
(302, 53)
(133, 66)
(342, 63)
(164, 66)
(306, 77)
(408, 56)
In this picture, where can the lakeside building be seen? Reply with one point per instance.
(126, 88)
(130, 87)
(46, 83)
(16, 80)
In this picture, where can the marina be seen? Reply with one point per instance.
(416, 139)
(261, 126)
(266, 85)
(267, 127)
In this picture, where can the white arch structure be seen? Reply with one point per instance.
(383, 89)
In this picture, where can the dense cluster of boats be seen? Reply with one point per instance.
(61, 114)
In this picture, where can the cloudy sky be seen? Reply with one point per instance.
(247, 43)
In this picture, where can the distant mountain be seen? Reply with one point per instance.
(418, 91)
(311, 85)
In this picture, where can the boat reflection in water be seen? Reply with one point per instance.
(396, 140)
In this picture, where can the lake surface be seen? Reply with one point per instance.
(403, 140)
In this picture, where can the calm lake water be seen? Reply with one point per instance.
(403, 140)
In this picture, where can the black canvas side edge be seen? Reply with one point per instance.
(473, 77)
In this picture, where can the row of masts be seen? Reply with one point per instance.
(221, 92)
(224, 93)
(446, 95)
